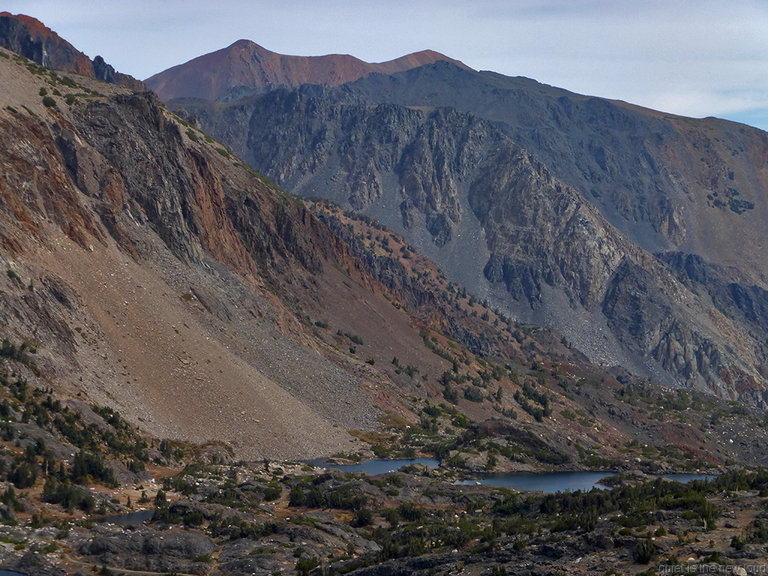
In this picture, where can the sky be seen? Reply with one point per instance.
(691, 57)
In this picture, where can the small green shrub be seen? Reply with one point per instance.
(272, 492)
(192, 135)
(305, 565)
(473, 394)
(363, 517)
(645, 551)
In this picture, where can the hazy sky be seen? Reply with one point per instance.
(691, 57)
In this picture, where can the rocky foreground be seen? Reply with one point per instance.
(83, 491)
(282, 518)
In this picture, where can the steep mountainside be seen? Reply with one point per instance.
(561, 209)
(137, 257)
(246, 68)
(153, 272)
(32, 39)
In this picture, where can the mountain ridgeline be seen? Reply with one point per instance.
(246, 68)
(636, 234)
(33, 40)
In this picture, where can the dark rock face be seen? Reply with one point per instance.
(148, 549)
(750, 303)
(541, 232)
(103, 71)
(357, 153)
(147, 175)
(560, 199)
(33, 563)
(642, 169)
(33, 40)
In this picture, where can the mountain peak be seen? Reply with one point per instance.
(32, 39)
(245, 66)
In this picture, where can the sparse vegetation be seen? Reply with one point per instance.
(192, 135)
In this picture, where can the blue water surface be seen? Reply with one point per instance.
(549, 482)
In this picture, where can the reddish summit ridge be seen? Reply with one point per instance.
(248, 67)
(34, 40)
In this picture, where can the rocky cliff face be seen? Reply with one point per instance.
(545, 236)
(567, 204)
(352, 153)
(664, 181)
(32, 39)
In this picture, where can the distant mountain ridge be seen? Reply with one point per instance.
(595, 217)
(34, 40)
(245, 68)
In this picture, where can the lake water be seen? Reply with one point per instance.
(685, 478)
(549, 482)
(10, 573)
